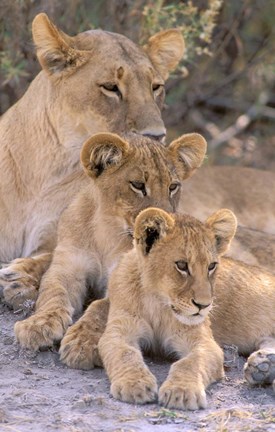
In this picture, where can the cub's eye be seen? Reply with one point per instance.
(138, 187)
(173, 188)
(111, 88)
(212, 267)
(182, 267)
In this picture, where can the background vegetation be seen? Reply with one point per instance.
(224, 87)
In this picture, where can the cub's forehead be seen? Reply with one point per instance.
(151, 155)
(192, 244)
(191, 230)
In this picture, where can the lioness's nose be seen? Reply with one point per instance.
(158, 133)
(156, 137)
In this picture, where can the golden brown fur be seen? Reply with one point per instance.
(93, 82)
(160, 294)
(126, 176)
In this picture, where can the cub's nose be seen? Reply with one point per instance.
(199, 305)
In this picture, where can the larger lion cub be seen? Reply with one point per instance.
(126, 176)
(160, 294)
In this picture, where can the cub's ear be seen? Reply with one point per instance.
(102, 151)
(224, 224)
(151, 225)
(55, 50)
(187, 153)
(165, 50)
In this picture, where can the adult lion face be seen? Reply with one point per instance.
(104, 82)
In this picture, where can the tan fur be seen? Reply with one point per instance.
(244, 316)
(245, 301)
(127, 175)
(248, 193)
(254, 247)
(70, 99)
(160, 295)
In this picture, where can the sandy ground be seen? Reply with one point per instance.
(39, 393)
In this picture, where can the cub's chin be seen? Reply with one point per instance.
(190, 320)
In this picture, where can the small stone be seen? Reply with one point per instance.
(27, 372)
(8, 341)
(80, 404)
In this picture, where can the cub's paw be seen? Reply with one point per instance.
(19, 282)
(175, 395)
(260, 367)
(42, 329)
(137, 388)
(78, 348)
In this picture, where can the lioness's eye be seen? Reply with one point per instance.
(110, 87)
(138, 187)
(173, 188)
(182, 267)
(212, 267)
(157, 88)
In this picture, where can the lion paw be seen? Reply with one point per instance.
(135, 389)
(78, 348)
(19, 283)
(260, 367)
(42, 329)
(174, 395)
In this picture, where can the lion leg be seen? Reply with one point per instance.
(78, 348)
(20, 280)
(62, 293)
(260, 365)
(131, 380)
(189, 377)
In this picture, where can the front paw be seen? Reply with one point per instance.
(42, 329)
(19, 283)
(189, 396)
(260, 367)
(135, 389)
(78, 348)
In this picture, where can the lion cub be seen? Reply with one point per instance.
(161, 294)
(126, 176)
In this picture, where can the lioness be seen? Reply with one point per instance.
(160, 295)
(96, 228)
(93, 82)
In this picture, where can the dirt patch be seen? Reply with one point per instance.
(39, 393)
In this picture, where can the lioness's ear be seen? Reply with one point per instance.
(187, 153)
(224, 224)
(151, 225)
(54, 48)
(102, 151)
(165, 50)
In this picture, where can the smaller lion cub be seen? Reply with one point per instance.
(160, 296)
